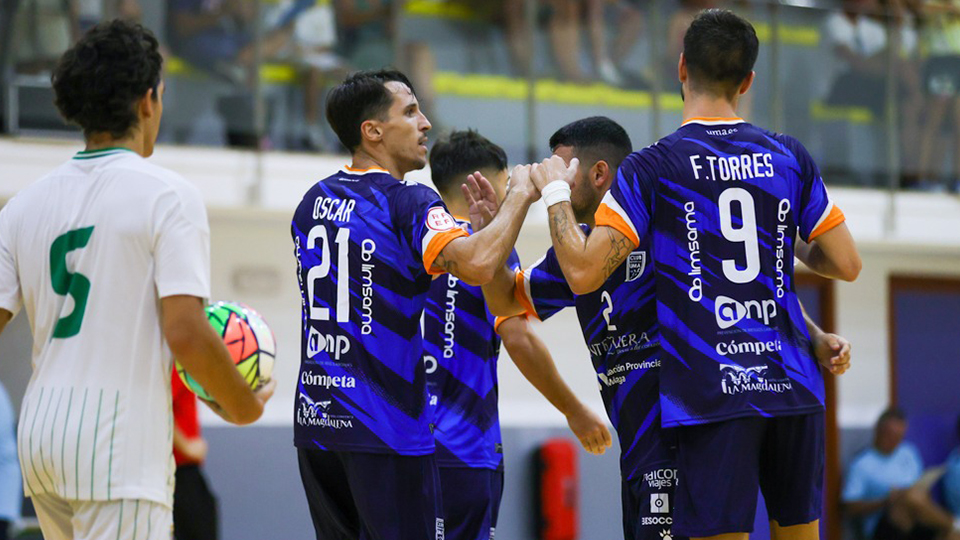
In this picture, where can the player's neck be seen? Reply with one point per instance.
(101, 141)
(457, 207)
(707, 106)
(366, 160)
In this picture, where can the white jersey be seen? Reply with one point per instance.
(89, 250)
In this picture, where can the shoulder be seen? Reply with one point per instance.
(157, 180)
(410, 196)
(908, 450)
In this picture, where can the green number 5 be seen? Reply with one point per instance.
(66, 282)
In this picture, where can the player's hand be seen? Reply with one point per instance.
(520, 182)
(265, 391)
(195, 449)
(554, 168)
(832, 352)
(591, 431)
(481, 200)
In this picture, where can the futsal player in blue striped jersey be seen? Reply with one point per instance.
(723, 203)
(367, 245)
(462, 344)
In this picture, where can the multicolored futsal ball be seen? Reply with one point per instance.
(250, 341)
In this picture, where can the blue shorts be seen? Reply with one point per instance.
(471, 502)
(366, 496)
(720, 465)
(647, 501)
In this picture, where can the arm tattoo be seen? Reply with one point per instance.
(448, 265)
(560, 224)
(618, 250)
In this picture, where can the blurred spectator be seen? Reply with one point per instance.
(858, 41)
(195, 515)
(563, 19)
(367, 40)
(42, 30)
(10, 487)
(885, 492)
(93, 11)
(942, 82)
(951, 480)
(609, 61)
(218, 36)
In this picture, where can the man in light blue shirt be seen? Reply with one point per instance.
(881, 488)
(951, 481)
(10, 494)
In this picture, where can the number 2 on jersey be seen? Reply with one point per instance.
(322, 270)
(65, 282)
(747, 234)
(607, 310)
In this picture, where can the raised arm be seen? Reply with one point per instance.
(832, 254)
(476, 258)
(534, 361)
(587, 261)
(203, 355)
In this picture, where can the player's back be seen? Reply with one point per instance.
(364, 242)
(461, 349)
(728, 200)
(95, 244)
(619, 326)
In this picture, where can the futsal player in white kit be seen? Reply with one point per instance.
(110, 257)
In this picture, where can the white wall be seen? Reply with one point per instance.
(253, 262)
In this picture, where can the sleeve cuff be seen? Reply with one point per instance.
(436, 245)
(499, 321)
(608, 217)
(521, 291)
(831, 219)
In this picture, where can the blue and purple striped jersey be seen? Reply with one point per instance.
(723, 201)
(461, 347)
(364, 243)
(619, 326)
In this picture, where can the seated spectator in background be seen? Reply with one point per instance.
(563, 18)
(884, 490)
(857, 39)
(42, 30)
(10, 494)
(942, 83)
(366, 40)
(951, 481)
(609, 61)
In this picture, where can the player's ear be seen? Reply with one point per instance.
(599, 173)
(747, 83)
(371, 130)
(147, 104)
(682, 69)
(604, 181)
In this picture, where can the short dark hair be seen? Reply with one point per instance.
(99, 80)
(597, 138)
(892, 413)
(360, 97)
(462, 152)
(720, 48)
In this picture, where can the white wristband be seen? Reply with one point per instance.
(555, 192)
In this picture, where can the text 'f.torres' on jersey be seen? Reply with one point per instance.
(619, 326)
(365, 243)
(723, 201)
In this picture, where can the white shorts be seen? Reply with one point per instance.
(63, 519)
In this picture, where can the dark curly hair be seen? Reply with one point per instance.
(99, 80)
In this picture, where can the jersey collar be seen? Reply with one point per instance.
(712, 121)
(102, 152)
(350, 170)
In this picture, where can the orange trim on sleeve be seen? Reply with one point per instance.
(605, 216)
(835, 218)
(499, 320)
(436, 245)
(520, 293)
